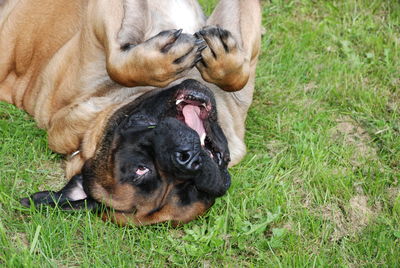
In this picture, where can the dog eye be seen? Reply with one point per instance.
(141, 170)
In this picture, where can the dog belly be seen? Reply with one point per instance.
(175, 14)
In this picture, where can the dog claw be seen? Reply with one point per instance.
(198, 36)
(197, 60)
(220, 32)
(199, 41)
(171, 40)
(177, 33)
(202, 47)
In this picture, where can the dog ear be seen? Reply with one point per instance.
(71, 197)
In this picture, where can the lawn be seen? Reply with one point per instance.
(318, 187)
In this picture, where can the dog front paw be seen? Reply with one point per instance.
(223, 63)
(169, 55)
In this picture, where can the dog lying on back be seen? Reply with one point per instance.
(129, 91)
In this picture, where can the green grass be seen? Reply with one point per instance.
(318, 187)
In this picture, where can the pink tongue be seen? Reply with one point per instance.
(192, 118)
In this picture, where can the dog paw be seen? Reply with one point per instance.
(222, 61)
(169, 55)
(40, 198)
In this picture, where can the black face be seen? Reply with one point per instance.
(174, 132)
(163, 157)
(169, 155)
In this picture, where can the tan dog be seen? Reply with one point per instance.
(93, 73)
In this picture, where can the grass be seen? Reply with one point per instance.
(318, 187)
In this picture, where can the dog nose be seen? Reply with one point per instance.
(189, 160)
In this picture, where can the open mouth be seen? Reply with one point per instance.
(193, 109)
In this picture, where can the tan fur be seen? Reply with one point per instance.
(135, 209)
(167, 213)
(66, 68)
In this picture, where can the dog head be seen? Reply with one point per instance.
(163, 157)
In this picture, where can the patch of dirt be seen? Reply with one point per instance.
(352, 218)
(177, 233)
(334, 214)
(306, 197)
(357, 137)
(290, 227)
(396, 82)
(393, 193)
(358, 187)
(393, 105)
(309, 87)
(275, 147)
(20, 239)
(206, 264)
(359, 213)
(306, 200)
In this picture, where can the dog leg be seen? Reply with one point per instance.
(72, 196)
(156, 62)
(233, 39)
(131, 61)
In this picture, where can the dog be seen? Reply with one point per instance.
(147, 99)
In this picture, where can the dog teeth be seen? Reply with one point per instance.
(202, 139)
(178, 101)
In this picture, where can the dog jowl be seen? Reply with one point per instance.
(163, 157)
